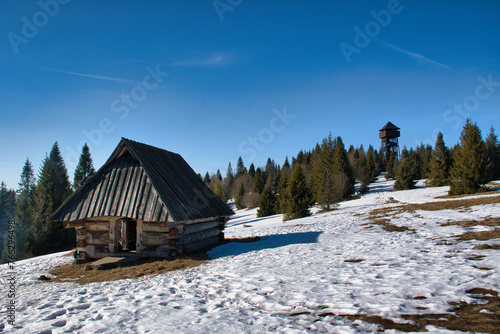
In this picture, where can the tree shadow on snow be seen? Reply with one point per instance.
(266, 242)
(244, 222)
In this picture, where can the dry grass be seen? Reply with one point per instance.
(480, 316)
(494, 222)
(433, 206)
(463, 204)
(384, 223)
(474, 317)
(392, 200)
(85, 273)
(354, 260)
(487, 246)
(324, 209)
(386, 323)
(481, 235)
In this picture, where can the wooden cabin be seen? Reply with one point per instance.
(144, 201)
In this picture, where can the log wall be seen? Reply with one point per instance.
(99, 238)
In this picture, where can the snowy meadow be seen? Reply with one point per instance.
(389, 261)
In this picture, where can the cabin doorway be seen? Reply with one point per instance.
(126, 232)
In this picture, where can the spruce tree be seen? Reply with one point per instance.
(426, 161)
(251, 170)
(43, 203)
(266, 203)
(416, 162)
(493, 149)
(229, 181)
(85, 168)
(327, 196)
(207, 179)
(7, 211)
(371, 166)
(286, 164)
(28, 181)
(25, 212)
(342, 171)
(472, 167)
(299, 197)
(55, 178)
(218, 175)
(258, 181)
(52, 189)
(323, 175)
(390, 168)
(440, 163)
(269, 201)
(281, 193)
(405, 172)
(270, 170)
(239, 197)
(240, 167)
(360, 170)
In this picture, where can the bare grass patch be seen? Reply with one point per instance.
(354, 260)
(85, 273)
(480, 235)
(474, 317)
(488, 246)
(494, 222)
(485, 191)
(392, 200)
(433, 206)
(384, 223)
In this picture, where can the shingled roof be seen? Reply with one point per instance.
(389, 126)
(140, 181)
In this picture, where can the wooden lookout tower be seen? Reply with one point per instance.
(389, 135)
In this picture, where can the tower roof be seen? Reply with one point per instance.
(389, 126)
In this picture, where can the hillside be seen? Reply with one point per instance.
(376, 262)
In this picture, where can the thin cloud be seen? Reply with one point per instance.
(416, 56)
(216, 59)
(93, 76)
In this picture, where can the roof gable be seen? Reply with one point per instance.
(140, 181)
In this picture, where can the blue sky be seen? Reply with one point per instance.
(215, 80)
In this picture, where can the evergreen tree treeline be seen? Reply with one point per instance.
(472, 167)
(330, 171)
(37, 198)
(326, 176)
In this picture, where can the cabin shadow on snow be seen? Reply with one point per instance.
(266, 242)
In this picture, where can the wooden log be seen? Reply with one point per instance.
(97, 226)
(157, 226)
(98, 237)
(194, 228)
(140, 233)
(112, 235)
(196, 237)
(154, 238)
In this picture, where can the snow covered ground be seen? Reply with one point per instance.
(299, 278)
